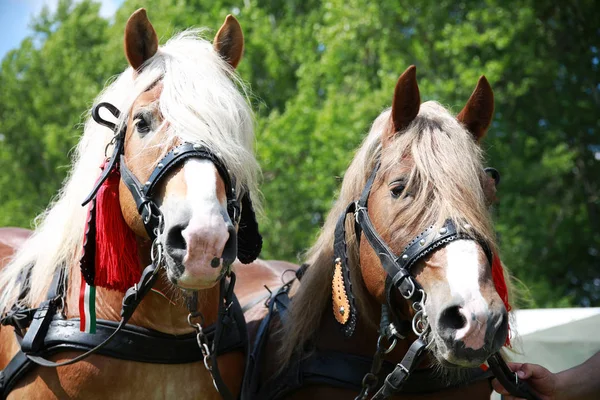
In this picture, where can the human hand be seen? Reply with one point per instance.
(540, 380)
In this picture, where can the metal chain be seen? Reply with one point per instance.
(370, 380)
(202, 340)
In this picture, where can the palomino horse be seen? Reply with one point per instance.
(183, 129)
(418, 246)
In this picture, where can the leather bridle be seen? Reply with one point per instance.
(399, 277)
(143, 194)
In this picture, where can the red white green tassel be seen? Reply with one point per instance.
(87, 308)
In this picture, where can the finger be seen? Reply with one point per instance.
(499, 388)
(514, 366)
(525, 371)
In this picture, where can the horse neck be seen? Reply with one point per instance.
(159, 310)
(364, 340)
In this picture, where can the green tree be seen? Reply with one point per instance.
(321, 71)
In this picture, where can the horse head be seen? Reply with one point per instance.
(184, 149)
(429, 180)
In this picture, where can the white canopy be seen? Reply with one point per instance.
(556, 338)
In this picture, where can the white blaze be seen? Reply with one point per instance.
(206, 233)
(463, 273)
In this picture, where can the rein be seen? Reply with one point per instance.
(398, 269)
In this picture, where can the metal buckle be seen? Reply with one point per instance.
(411, 292)
(406, 371)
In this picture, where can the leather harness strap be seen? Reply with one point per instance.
(53, 334)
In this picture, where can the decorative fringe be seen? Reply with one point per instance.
(117, 264)
(501, 288)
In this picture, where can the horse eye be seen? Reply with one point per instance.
(494, 174)
(142, 125)
(396, 189)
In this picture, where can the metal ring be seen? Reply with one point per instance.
(197, 325)
(111, 143)
(417, 306)
(390, 348)
(369, 380)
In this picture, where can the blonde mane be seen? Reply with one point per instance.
(445, 183)
(203, 100)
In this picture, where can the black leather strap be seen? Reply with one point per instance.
(395, 380)
(509, 379)
(118, 143)
(176, 157)
(130, 343)
(341, 255)
(277, 306)
(346, 371)
(34, 338)
(18, 366)
(37, 332)
(143, 192)
(133, 343)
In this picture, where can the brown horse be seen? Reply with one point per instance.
(11, 240)
(421, 167)
(181, 97)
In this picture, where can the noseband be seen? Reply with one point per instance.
(399, 277)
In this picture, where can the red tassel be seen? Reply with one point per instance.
(117, 263)
(501, 288)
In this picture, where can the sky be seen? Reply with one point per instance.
(15, 16)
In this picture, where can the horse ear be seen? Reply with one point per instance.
(406, 103)
(229, 41)
(141, 42)
(479, 110)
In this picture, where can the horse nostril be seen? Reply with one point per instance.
(452, 318)
(500, 330)
(230, 249)
(175, 240)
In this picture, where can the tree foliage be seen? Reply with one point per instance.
(321, 71)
